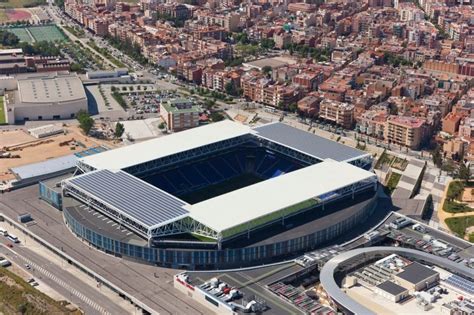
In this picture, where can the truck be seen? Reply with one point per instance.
(371, 235)
(400, 223)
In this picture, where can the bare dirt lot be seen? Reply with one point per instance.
(31, 150)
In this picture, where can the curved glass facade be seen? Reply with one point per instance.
(226, 258)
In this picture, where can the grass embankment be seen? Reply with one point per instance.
(3, 114)
(119, 98)
(452, 202)
(18, 297)
(74, 31)
(459, 225)
(392, 182)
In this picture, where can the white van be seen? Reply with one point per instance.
(3, 232)
(13, 238)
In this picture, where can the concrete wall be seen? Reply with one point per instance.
(420, 285)
(48, 111)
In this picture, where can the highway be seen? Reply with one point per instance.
(89, 299)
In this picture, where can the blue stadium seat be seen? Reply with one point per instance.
(192, 175)
(211, 175)
(216, 169)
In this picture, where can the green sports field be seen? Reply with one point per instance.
(48, 33)
(31, 34)
(22, 34)
(221, 188)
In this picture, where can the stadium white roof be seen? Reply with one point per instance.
(160, 147)
(131, 197)
(280, 133)
(308, 143)
(252, 202)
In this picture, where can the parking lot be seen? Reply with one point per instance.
(432, 241)
(251, 284)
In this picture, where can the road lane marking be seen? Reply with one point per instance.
(63, 284)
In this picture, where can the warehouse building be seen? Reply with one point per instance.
(45, 97)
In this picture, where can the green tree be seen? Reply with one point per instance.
(437, 157)
(267, 43)
(230, 88)
(75, 67)
(8, 38)
(448, 166)
(119, 130)
(464, 172)
(216, 116)
(241, 38)
(292, 107)
(85, 121)
(266, 70)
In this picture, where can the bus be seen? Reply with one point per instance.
(13, 238)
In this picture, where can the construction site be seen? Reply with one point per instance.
(19, 147)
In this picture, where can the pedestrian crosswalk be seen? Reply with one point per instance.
(66, 286)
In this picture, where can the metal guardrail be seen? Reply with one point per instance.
(80, 266)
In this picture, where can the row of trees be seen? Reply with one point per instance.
(8, 38)
(177, 22)
(461, 170)
(128, 47)
(305, 51)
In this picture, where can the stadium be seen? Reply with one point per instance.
(221, 195)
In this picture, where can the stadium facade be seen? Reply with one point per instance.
(221, 183)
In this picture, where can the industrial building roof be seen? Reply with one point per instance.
(392, 288)
(416, 273)
(47, 167)
(255, 201)
(53, 88)
(131, 197)
(307, 143)
(160, 147)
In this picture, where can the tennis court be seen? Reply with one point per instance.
(46, 33)
(32, 34)
(22, 34)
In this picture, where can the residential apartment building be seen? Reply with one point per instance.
(309, 80)
(179, 114)
(337, 112)
(373, 123)
(406, 131)
(229, 22)
(267, 92)
(451, 123)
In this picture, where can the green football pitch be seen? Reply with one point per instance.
(221, 188)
